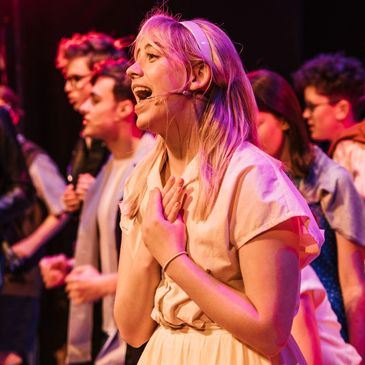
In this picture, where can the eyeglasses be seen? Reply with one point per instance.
(312, 107)
(74, 80)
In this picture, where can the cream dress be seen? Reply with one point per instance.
(255, 196)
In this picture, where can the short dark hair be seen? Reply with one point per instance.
(96, 46)
(115, 69)
(333, 75)
(275, 95)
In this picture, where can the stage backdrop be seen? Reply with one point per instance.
(276, 34)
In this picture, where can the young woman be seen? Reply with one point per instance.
(328, 189)
(218, 285)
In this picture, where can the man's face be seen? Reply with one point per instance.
(320, 115)
(77, 81)
(100, 110)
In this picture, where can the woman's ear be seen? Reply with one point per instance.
(201, 77)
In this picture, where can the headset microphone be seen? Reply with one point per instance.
(183, 93)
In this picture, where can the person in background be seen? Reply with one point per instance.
(76, 57)
(331, 194)
(214, 232)
(334, 87)
(48, 218)
(16, 195)
(92, 275)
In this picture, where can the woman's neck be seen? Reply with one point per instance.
(180, 151)
(182, 139)
(284, 155)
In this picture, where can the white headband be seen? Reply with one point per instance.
(200, 38)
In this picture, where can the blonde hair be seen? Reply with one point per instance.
(229, 116)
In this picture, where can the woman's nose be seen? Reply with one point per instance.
(134, 70)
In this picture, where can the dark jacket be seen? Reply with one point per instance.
(16, 190)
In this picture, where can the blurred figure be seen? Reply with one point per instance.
(16, 195)
(91, 277)
(333, 87)
(75, 58)
(47, 219)
(331, 194)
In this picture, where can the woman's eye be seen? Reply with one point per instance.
(151, 56)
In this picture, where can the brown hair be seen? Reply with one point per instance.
(274, 95)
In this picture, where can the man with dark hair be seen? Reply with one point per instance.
(76, 57)
(109, 116)
(334, 87)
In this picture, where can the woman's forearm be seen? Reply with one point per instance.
(136, 287)
(266, 330)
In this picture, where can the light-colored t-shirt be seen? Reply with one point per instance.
(48, 183)
(255, 196)
(106, 213)
(351, 155)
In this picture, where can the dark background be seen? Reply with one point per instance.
(279, 35)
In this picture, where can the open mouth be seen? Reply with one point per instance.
(142, 93)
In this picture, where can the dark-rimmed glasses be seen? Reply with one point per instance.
(74, 80)
(311, 107)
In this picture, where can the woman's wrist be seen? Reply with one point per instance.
(172, 258)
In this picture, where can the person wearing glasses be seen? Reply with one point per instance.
(75, 58)
(331, 195)
(334, 87)
(91, 276)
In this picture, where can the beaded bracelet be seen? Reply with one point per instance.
(172, 259)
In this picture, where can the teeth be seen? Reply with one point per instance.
(141, 88)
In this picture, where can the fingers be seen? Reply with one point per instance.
(173, 196)
(74, 293)
(56, 261)
(70, 199)
(154, 205)
(83, 184)
(175, 205)
(167, 191)
(53, 270)
(53, 278)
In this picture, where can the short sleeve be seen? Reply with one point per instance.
(265, 197)
(344, 207)
(48, 182)
(342, 154)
